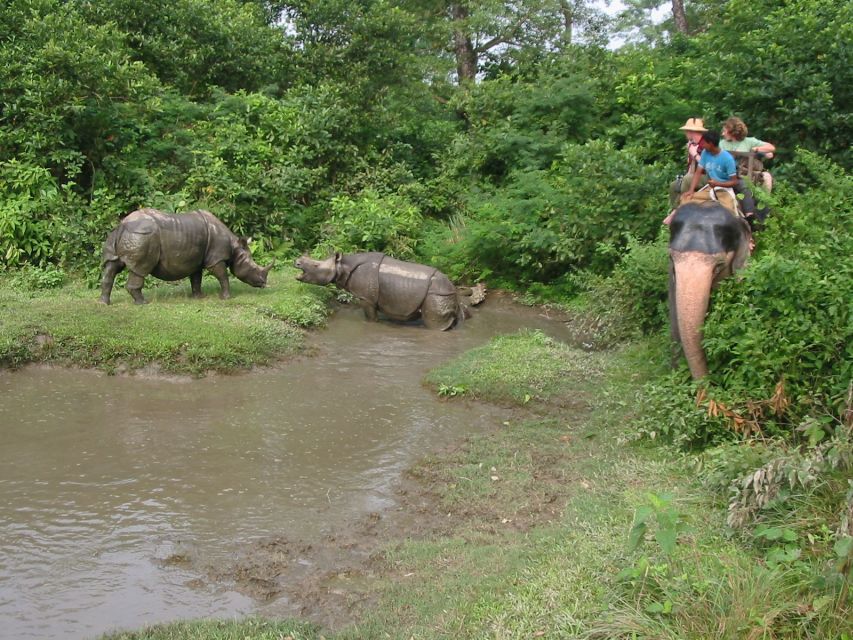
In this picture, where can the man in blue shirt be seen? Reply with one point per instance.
(721, 169)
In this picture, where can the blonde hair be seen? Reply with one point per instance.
(736, 127)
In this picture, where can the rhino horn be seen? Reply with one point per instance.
(269, 267)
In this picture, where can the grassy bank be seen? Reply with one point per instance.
(175, 333)
(554, 526)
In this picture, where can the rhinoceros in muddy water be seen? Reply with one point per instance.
(402, 291)
(171, 247)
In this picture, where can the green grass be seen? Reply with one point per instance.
(224, 630)
(178, 334)
(530, 533)
(513, 369)
(540, 513)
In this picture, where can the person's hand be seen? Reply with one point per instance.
(713, 183)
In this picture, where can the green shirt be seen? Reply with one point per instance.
(745, 145)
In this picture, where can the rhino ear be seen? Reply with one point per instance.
(338, 256)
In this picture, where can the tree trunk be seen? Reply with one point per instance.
(567, 9)
(463, 48)
(679, 16)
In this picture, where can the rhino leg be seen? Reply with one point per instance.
(111, 270)
(440, 311)
(195, 284)
(370, 311)
(220, 272)
(134, 287)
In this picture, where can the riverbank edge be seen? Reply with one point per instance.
(174, 335)
(476, 518)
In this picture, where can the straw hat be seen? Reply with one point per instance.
(694, 124)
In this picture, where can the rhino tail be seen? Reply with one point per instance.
(472, 296)
(110, 253)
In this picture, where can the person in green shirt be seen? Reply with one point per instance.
(736, 139)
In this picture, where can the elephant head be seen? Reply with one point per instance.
(707, 243)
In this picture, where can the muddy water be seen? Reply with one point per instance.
(107, 482)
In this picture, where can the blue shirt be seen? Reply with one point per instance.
(720, 167)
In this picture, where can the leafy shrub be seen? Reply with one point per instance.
(789, 470)
(671, 414)
(543, 224)
(441, 246)
(632, 300)
(193, 44)
(788, 317)
(23, 236)
(521, 125)
(719, 466)
(372, 222)
(33, 278)
(32, 198)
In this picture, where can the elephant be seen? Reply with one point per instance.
(707, 244)
(402, 291)
(171, 247)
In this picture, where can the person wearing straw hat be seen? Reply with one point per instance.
(693, 130)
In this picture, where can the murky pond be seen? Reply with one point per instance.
(103, 478)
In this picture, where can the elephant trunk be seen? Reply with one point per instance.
(694, 274)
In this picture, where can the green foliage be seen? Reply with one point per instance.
(521, 130)
(514, 369)
(372, 222)
(632, 300)
(667, 522)
(797, 57)
(66, 86)
(670, 413)
(718, 466)
(543, 224)
(781, 544)
(254, 158)
(194, 44)
(788, 317)
(31, 278)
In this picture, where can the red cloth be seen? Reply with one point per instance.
(694, 150)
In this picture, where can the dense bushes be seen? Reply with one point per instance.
(631, 301)
(372, 222)
(543, 225)
(788, 319)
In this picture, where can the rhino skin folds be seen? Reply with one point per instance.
(401, 291)
(171, 247)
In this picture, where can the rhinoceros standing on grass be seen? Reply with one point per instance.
(400, 290)
(171, 247)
